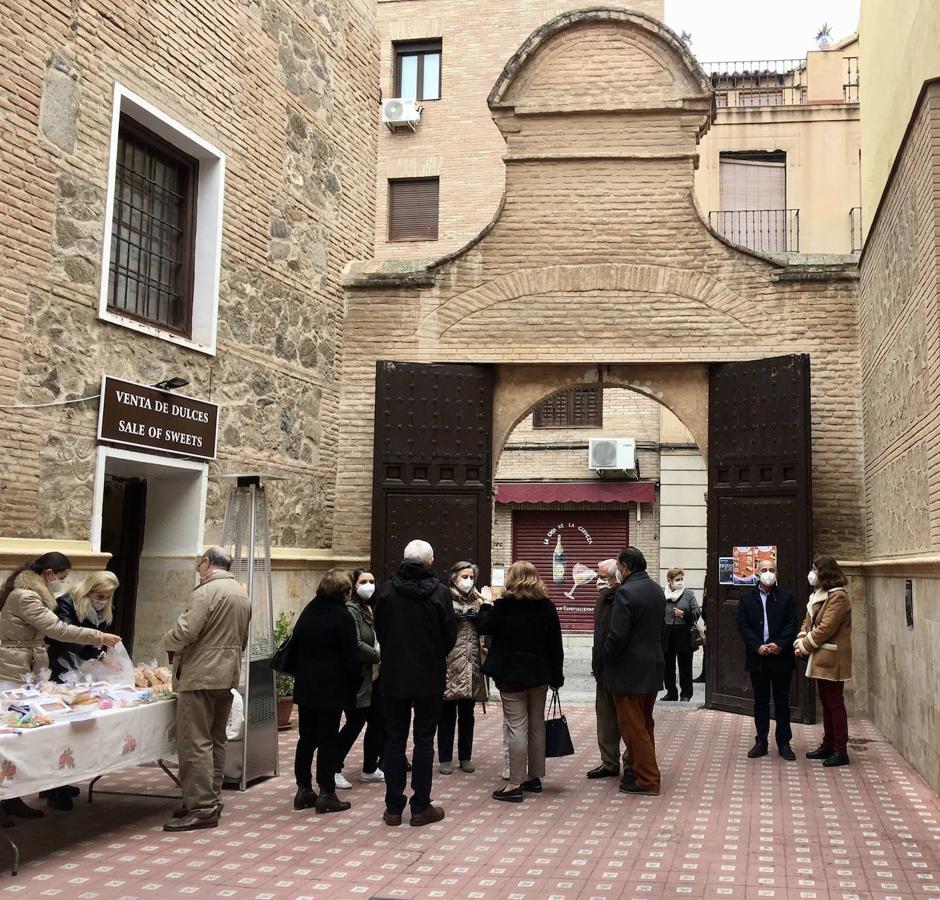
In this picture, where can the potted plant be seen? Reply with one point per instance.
(824, 36)
(284, 683)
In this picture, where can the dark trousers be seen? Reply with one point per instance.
(635, 717)
(778, 683)
(676, 646)
(455, 714)
(355, 721)
(835, 718)
(318, 731)
(398, 710)
(373, 744)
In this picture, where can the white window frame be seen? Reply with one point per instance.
(208, 239)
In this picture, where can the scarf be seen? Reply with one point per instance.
(672, 596)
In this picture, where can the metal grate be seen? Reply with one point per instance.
(763, 230)
(850, 86)
(150, 273)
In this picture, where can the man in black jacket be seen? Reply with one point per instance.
(416, 628)
(767, 625)
(634, 666)
(605, 709)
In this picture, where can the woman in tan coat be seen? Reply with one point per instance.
(825, 640)
(27, 618)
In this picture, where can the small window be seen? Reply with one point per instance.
(418, 70)
(413, 209)
(577, 407)
(150, 276)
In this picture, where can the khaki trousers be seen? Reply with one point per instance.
(201, 717)
(524, 713)
(635, 715)
(608, 730)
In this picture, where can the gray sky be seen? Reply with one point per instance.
(757, 29)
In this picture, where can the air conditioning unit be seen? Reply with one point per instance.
(612, 455)
(397, 113)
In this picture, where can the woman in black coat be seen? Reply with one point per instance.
(90, 605)
(525, 659)
(324, 660)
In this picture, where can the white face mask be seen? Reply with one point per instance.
(768, 579)
(99, 605)
(56, 587)
(366, 590)
(464, 584)
(813, 579)
(679, 585)
(602, 585)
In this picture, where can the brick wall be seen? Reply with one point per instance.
(290, 98)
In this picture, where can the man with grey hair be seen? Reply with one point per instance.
(205, 648)
(608, 729)
(416, 628)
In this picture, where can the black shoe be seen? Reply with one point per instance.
(838, 758)
(60, 800)
(305, 798)
(532, 786)
(759, 749)
(17, 808)
(686, 699)
(603, 772)
(628, 774)
(821, 752)
(699, 680)
(786, 752)
(510, 796)
(668, 698)
(73, 791)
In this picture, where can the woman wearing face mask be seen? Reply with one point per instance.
(27, 601)
(682, 612)
(825, 640)
(368, 705)
(465, 683)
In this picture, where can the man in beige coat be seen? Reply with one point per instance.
(205, 647)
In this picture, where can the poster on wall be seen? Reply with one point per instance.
(726, 570)
(746, 561)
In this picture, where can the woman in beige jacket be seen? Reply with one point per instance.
(27, 618)
(825, 641)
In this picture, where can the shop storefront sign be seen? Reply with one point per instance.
(148, 418)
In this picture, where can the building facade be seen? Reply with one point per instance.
(180, 193)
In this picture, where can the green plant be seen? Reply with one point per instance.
(824, 31)
(283, 629)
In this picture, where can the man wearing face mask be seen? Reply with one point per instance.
(205, 647)
(605, 709)
(767, 625)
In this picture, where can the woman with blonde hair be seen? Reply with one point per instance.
(525, 659)
(90, 605)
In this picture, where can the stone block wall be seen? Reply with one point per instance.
(287, 90)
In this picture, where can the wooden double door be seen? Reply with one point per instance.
(433, 479)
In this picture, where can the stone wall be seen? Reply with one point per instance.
(287, 90)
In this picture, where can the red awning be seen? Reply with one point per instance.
(576, 492)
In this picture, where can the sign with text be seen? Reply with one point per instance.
(146, 417)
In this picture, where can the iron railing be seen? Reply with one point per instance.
(758, 82)
(855, 226)
(763, 230)
(850, 85)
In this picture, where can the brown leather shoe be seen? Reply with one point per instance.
(427, 816)
(193, 822)
(631, 787)
(330, 803)
(390, 818)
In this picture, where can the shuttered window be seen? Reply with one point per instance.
(577, 407)
(753, 181)
(413, 209)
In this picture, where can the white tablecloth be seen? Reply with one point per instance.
(69, 751)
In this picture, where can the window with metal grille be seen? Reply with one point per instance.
(418, 70)
(413, 209)
(577, 407)
(150, 274)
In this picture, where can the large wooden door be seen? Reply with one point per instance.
(759, 493)
(432, 475)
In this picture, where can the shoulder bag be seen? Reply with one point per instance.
(557, 735)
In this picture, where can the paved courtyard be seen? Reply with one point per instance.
(724, 826)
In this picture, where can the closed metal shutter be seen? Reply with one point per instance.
(587, 537)
(413, 209)
(576, 407)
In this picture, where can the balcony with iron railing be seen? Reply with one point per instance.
(761, 230)
(855, 227)
(851, 82)
(758, 82)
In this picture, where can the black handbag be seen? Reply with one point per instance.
(283, 658)
(557, 735)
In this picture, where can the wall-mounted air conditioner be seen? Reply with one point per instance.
(612, 455)
(397, 113)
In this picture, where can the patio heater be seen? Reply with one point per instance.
(245, 535)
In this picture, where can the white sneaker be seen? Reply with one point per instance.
(341, 783)
(506, 774)
(377, 775)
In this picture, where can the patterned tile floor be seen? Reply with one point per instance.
(724, 826)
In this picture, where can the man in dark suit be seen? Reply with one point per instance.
(634, 666)
(767, 625)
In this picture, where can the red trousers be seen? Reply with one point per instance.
(635, 717)
(835, 718)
